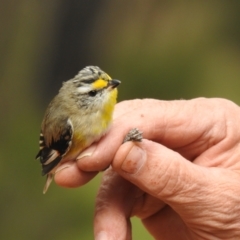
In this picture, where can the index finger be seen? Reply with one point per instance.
(189, 127)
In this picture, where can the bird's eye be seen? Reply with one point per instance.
(92, 93)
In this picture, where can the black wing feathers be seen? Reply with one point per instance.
(47, 168)
(51, 155)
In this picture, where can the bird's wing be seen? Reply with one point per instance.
(50, 155)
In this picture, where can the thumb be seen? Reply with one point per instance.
(206, 199)
(164, 174)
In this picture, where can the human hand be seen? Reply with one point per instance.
(187, 184)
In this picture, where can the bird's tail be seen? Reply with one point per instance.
(48, 182)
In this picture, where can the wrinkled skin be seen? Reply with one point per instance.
(182, 180)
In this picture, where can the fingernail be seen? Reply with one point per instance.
(134, 160)
(103, 236)
(61, 168)
(88, 152)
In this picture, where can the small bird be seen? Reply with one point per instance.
(78, 115)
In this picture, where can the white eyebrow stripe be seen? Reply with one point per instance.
(84, 89)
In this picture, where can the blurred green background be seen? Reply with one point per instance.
(158, 49)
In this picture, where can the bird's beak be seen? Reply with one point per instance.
(113, 83)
